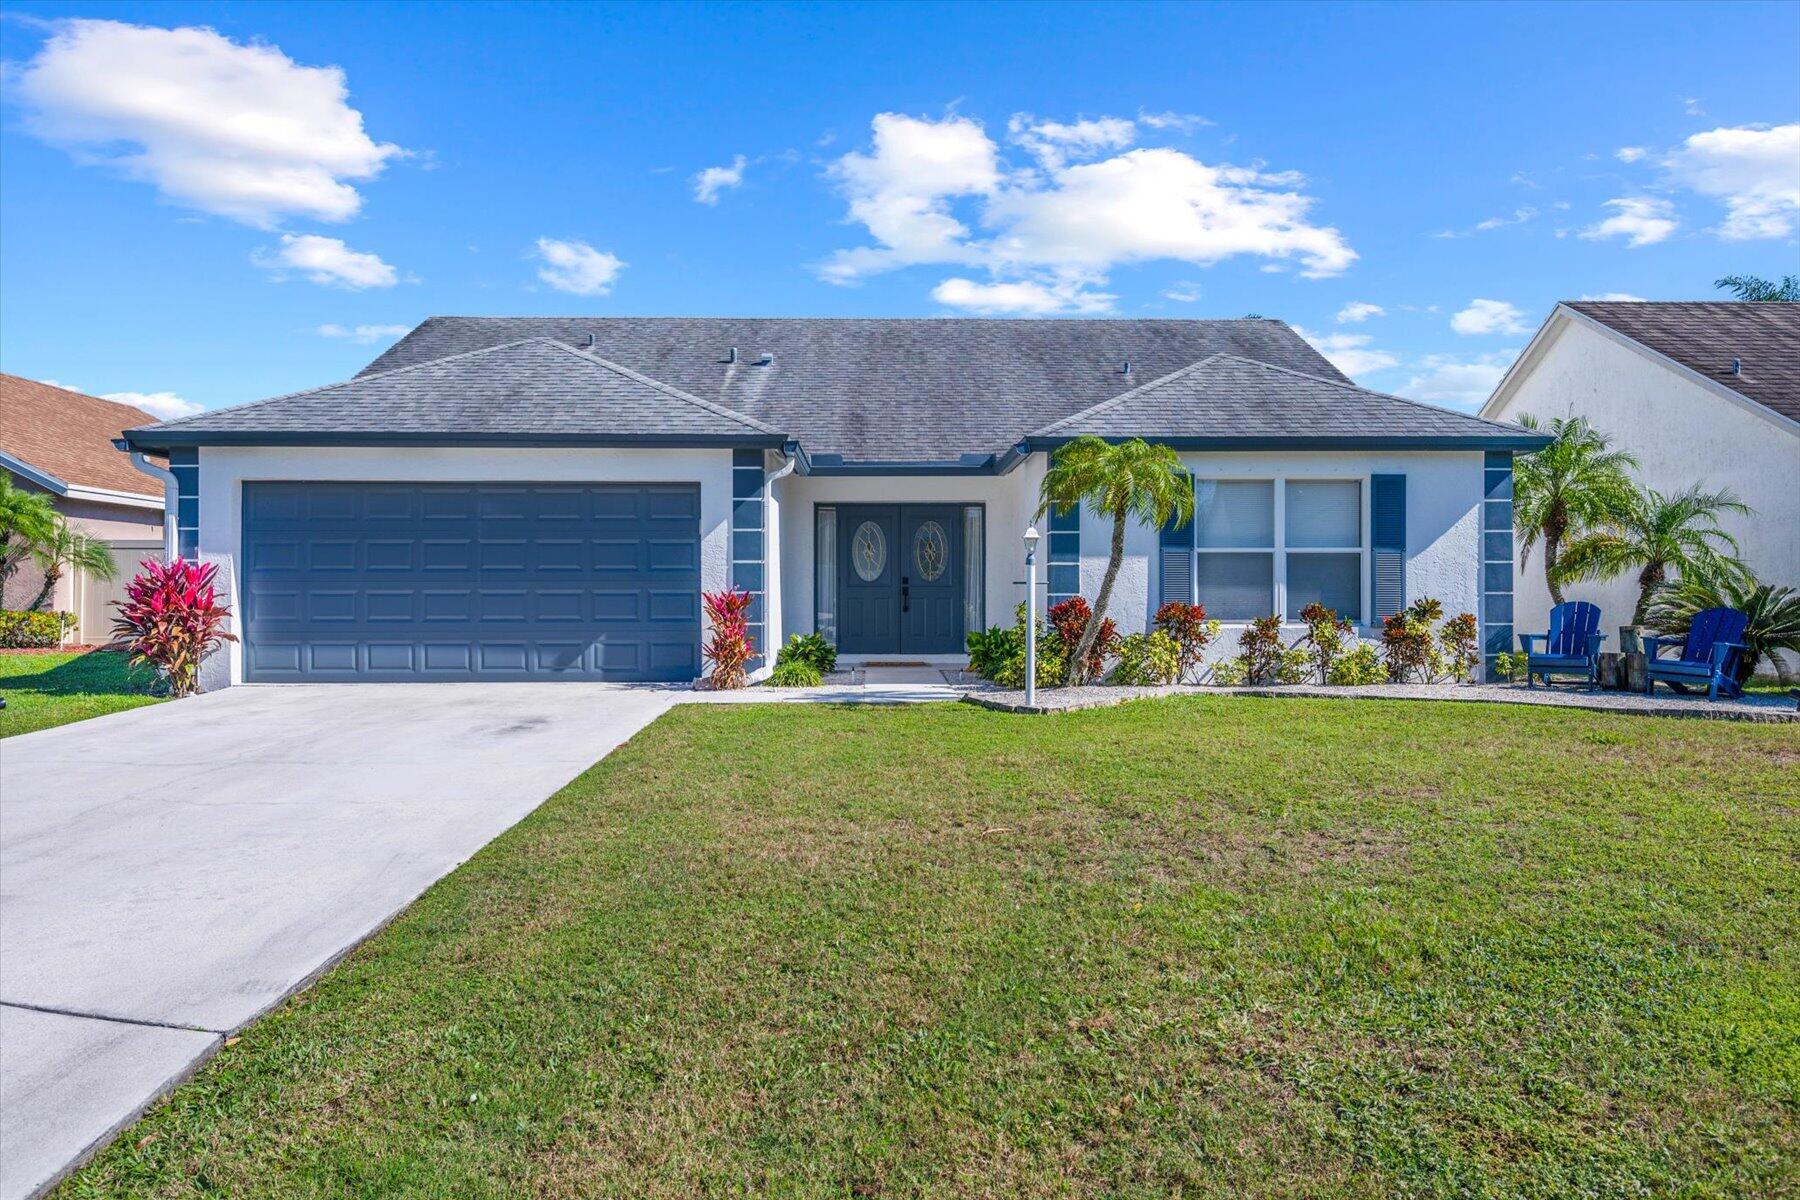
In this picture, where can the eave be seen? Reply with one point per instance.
(58, 486)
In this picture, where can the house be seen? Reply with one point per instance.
(530, 498)
(1699, 392)
(61, 442)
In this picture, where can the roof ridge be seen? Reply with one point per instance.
(1107, 403)
(718, 410)
(326, 387)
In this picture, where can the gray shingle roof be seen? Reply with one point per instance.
(920, 390)
(1228, 399)
(1705, 335)
(531, 387)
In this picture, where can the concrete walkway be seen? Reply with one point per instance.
(170, 873)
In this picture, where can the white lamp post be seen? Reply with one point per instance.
(1031, 541)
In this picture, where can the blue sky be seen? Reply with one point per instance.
(211, 203)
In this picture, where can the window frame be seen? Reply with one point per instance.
(1280, 550)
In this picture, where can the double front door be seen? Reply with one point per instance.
(900, 579)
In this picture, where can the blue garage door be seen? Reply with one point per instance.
(391, 581)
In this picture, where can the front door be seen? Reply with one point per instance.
(900, 585)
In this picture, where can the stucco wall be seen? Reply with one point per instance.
(223, 471)
(1443, 497)
(1681, 432)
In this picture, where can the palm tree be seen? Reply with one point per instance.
(1130, 479)
(1654, 534)
(1569, 488)
(26, 519)
(65, 547)
(1758, 290)
(1774, 613)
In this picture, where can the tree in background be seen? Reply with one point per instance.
(1570, 488)
(1654, 534)
(1123, 481)
(1759, 290)
(63, 548)
(26, 520)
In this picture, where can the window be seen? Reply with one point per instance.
(974, 562)
(825, 572)
(1277, 545)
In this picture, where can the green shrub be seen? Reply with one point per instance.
(999, 655)
(1510, 664)
(1148, 660)
(1295, 664)
(990, 649)
(812, 649)
(794, 672)
(1460, 642)
(33, 630)
(1228, 672)
(1359, 667)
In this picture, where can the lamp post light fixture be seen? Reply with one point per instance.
(1031, 621)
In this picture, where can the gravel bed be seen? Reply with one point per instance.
(1771, 709)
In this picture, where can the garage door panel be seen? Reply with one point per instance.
(349, 581)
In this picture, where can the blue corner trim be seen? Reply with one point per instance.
(1494, 565)
(749, 543)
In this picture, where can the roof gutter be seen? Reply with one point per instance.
(169, 490)
(152, 438)
(1520, 442)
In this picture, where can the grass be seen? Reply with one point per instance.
(1204, 947)
(44, 690)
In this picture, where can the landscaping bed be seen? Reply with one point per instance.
(1216, 946)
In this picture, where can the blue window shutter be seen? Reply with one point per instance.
(1175, 562)
(1387, 543)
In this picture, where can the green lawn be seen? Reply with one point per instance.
(42, 690)
(1212, 947)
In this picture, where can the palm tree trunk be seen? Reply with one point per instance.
(1084, 644)
(1648, 580)
(51, 576)
(1550, 548)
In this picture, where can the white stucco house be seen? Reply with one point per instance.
(1699, 392)
(546, 498)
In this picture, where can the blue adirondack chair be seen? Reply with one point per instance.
(1709, 654)
(1572, 647)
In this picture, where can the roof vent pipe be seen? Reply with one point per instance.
(1126, 369)
(1737, 366)
(590, 341)
(767, 359)
(731, 356)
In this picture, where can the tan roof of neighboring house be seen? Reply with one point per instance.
(69, 435)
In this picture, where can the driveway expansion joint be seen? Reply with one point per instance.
(117, 1020)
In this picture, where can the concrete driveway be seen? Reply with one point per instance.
(170, 873)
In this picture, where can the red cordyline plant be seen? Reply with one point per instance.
(172, 619)
(1187, 624)
(728, 649)
(1069, 619)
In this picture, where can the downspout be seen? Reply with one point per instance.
(772, 571)
(168, 481)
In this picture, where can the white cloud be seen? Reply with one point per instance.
(1349, 352)
(1182, 291)
(1063, 222)
(1615, 296)
(363, 335)
(1178, 121)
(1358, 311)
(164, 406)
(242, 131)
(325, 261)
(1640, 220)
(573, 266)
(1519, 217)
(1753, 170)
(1053, 143)
(1022, 297)
(1489, 316)
(1629, 154)
(710, 182)
(1463, 382)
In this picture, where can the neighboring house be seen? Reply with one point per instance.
(532, 498)
(61, 442)
(1699, 392)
